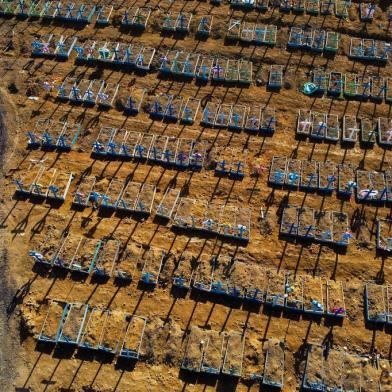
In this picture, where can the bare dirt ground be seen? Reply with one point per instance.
(23, 288)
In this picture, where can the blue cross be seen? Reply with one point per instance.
(54, 189)
(19, 184)
(32, 138)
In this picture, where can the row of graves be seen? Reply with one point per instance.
(236, 280)
(102, 330)
(53, 135)
(316, 40)
(204, 68)
(181, 153)
(335, 369)
(352, 86)
(369, 49)
(378, 303)
(249, 32)
(323, 126)
(237, 117)
(307, 224)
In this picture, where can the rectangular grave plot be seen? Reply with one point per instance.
(327, 7)
(375, 303)
(204, 68)
(245, 71)
(116, 143)
(212, 353)
(346, 179)
(210, 113)
(307, 38)
(67, 250)
(211, 217)
(252, 280)
(335, 83)
(304, 122)
(204, 272)
(298, 6)
(378, 88)
(105, 136)
(293, 177)
(84, 13)
(219, 69)
(333, 370)
(289, 222)
(234, 29)
(294, 293)
(183, 273)
(69, 135)
(173, 108)
(332, 132)
(134, 100)
(76, 89)
(94, 328)
(183, 22)
(319, 125)
(313, 7)
(90, 94)
(276, 289)
(309, 175)
(370, 379)
(205, 25)
(158, 148)
(367, 11)
(384, 131)
(113, 332)
(85, 255)
(233, 357)
(73, 324)
(324, 226)
(46, 247)
(274, 364)
(223, 158)
(47, 9)
(332, 42)
(318, 40)
(59, 186)
(145, 199)
(365, 189)
(237, 116)
(131, 140)
(223, 267)
(341, 232)
(45, 45)
(133, 338)
(378, 185)
(350, 129)
(107, 257)
(54, 322)
(223, 116)
(190, 110)
(87, 50)
(105, 51)
(159, 105)
(141, 57)
(194, 350)
(356, 48)
(253, 119)
(111, 195)
(232, 71)
(143, 147)
(64, 88)
(169, 22)
(198, 154)
(238, 164)
(334, 299)
(247, 31)
(352, 372)
(107, 94)
(364, 85)
(268, 120)
(49, 131)
(41, 184)
(126, 263)
(168, 203)
(64, 46)
(314, 378)
(295, 38)
(384, 235)
(313, 295)
(81, 196)
(320, 79)
(183, 217)
(368, 131)
(327, 176)
(306, 223)
(140, 18)
(26, 179)
(235, 222)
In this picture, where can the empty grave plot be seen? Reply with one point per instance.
(126, 263)
(375, 303)
(313, 295)
(233, 357)
(113, 331)
(327, 176)
(194, 349)
(152, 264)
(334, 299)
(314, 378)
(204, 272)
(276, 289)
(130, 347)
(54, 314)
(334, 368)
(212, 357)
(274, 364)
(352, 372)
(384, 235)
(294, 293)
(346, 179)
(107, 257)
(168, 203)
(183, 272)
(384, 131)
(73, 324)
(93, 328)
(371, 186)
